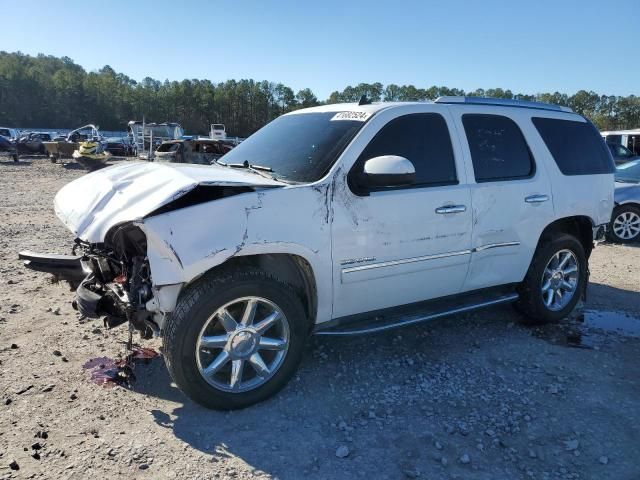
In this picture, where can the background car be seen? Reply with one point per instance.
(201, 150)
(10, 133)
(117, 146)
(620, 153)
(8, 145)
(31, 142)
(625, 221)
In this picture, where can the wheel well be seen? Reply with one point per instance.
(291, 269)
(626, 204)
(580, 227)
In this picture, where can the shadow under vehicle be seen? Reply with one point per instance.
(201, 151)
(58, 149)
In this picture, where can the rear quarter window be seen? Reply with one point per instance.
(576, 147)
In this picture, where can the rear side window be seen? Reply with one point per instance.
(577, 147)
(422, 138)
(498, 148)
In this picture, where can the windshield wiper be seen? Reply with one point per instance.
(246, 164)
(626, 180)
(258, 169)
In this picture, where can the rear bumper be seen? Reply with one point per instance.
(62, 267)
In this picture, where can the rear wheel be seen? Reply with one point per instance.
(625, 224)
(235, 339)
(555, 280)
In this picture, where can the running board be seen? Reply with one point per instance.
(395, 318)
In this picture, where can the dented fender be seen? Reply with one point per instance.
(183, 244)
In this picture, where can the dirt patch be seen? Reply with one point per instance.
(472, 396)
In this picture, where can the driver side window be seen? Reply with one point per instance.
(423, 139)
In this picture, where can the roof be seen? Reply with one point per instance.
(378, 106)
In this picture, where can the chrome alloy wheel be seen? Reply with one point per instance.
(225, 345)
(560, 280)
(627, 225)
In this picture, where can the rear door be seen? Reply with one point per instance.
(511, 195)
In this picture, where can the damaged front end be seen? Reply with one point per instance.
(112, 213)
(112, 279)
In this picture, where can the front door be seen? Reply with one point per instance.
(400, 245)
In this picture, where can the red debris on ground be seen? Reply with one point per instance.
(143, 353)
(110, 372)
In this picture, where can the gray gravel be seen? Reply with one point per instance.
(472, 396)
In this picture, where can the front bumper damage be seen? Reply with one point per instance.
(113, 283)
(63, 267)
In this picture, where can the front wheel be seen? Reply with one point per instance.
(235, 339)
(555, 280)
(625, 224)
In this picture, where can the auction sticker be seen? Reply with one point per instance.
(357, 116)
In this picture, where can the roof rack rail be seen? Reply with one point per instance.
(503, 102)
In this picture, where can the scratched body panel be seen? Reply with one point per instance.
(186, 243)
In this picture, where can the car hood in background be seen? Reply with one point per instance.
(92, 204)
(627, 192)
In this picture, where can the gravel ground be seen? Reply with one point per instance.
(474, 396)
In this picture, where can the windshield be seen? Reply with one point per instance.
(162, 131)
(300, 147)
(619, 150)
(628, 172)
(5, 132)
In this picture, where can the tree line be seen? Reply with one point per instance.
(50, 92)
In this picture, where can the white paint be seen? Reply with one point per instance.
(92, 204)
(419, 253)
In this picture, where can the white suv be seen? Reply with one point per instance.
(338, 220)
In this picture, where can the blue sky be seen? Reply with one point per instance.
(326, 45)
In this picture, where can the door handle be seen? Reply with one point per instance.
(536, 198)
(451, 209)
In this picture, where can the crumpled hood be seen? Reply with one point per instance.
(92, 204)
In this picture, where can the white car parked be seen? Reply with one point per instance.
(339, 219)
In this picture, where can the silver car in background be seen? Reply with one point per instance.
(625, 221)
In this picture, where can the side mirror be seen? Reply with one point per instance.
(388, 171)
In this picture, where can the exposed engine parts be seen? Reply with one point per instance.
(118, 281)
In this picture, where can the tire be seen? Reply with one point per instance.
(625, 224)
(533, 303)
(197, 312)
